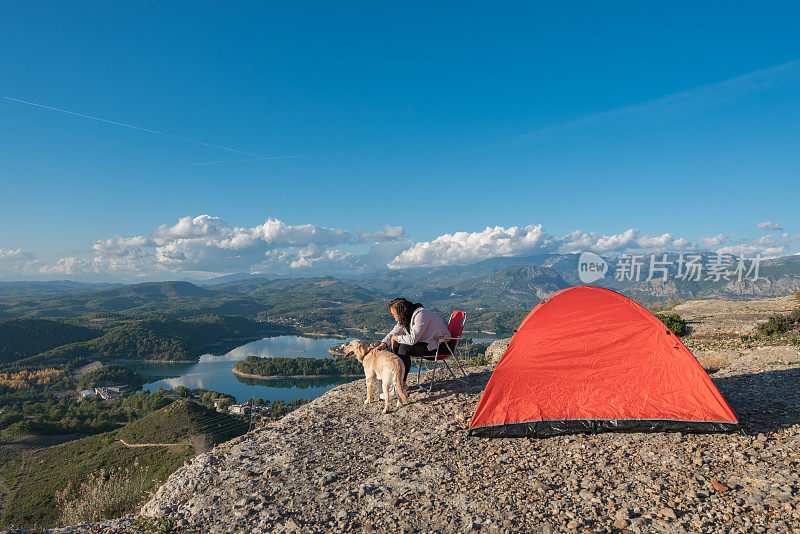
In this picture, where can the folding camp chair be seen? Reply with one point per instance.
(445, 349)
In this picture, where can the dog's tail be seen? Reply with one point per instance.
(399, 371)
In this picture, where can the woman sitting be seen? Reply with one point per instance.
(415, 332)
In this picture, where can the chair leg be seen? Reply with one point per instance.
(419, 375)
(454, 354)
(450, 368)
(461, 367)
(433, 375)
(422, 362)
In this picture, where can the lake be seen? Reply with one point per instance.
(214, 372)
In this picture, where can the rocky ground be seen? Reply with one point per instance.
(338, 465)
(712, 316)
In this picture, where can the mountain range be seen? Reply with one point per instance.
(498, 283)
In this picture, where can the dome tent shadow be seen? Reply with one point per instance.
(765, 401)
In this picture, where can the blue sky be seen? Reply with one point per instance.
(441, 119)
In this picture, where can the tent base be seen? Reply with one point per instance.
(546, 429)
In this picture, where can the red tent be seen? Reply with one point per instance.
(588, 359)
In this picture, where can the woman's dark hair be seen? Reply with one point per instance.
(404, 309)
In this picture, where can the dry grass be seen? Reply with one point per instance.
(104, 495)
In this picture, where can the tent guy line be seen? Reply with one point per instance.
(259, 157)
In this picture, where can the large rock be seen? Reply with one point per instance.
(495, 350)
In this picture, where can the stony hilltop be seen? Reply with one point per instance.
(339, 465)
(336, 465)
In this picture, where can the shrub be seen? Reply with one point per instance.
(778, 324)
(30, 426)
(674, 323)
(474, 354)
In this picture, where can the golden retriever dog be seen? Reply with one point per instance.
(384, 366)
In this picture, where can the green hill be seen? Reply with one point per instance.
(21, 338)
(170, 339)
(156, 338)
(130, 472)
(57, 286)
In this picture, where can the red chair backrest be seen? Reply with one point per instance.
(455, 327)
(456, 324)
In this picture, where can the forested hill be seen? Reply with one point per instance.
(35, 342)
(28, 288)
(24, 337)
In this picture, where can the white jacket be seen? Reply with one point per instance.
(426, 326)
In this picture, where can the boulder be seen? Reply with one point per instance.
(495, 351)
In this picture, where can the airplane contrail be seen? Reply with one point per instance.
(697, 98)
(250, 159)
(164, 134)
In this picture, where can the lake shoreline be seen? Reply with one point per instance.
(283, 377)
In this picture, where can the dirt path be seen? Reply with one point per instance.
(133, 445)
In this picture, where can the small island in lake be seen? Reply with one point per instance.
(273, 368)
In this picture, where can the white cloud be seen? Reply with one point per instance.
(69, 265)
(189, 228)
(681, 243)
(207, 243)
(629, 240)
(17, 262)
(769, 226)
(466, 247)
(713, 242)
(660, 242)
(579, 241)
(276, 233)
(205, 246)
(767, 246)
(750, 250)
